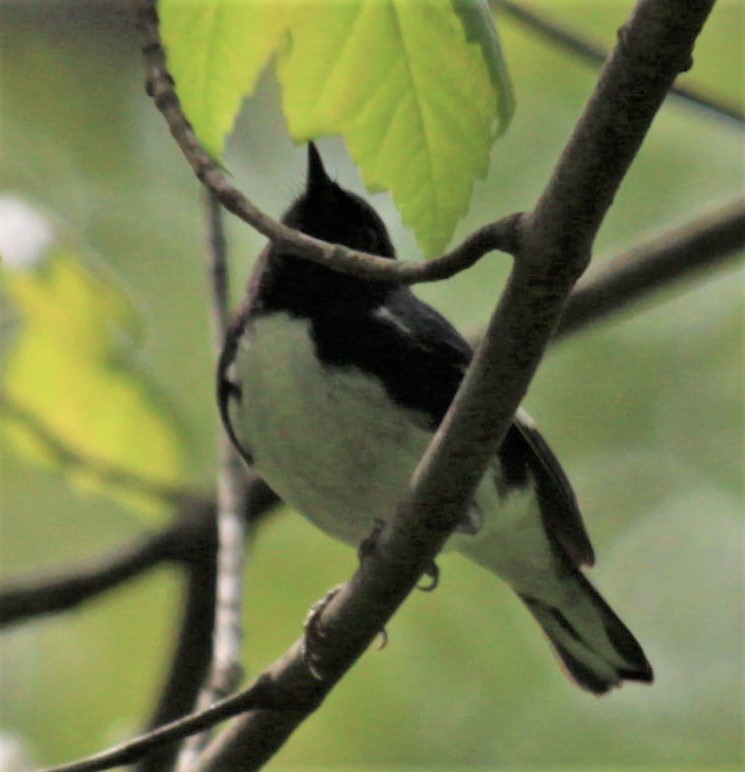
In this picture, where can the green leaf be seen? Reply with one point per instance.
(412, 95)
(479, 24)
(72, 396)
(216, 50)
(418, 89)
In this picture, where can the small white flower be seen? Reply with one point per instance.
(25, 236)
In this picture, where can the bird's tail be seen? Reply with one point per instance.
(596, 648)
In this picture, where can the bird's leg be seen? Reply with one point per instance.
(368, 546)
(313, 635)
(369, 543)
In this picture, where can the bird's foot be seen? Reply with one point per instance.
(313, 635)
(367, 547)
(433, 573)
(369, 544)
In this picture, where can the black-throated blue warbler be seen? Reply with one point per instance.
(332, 386)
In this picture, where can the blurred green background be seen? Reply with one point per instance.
(645, 412)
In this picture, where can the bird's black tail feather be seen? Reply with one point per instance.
(598, 651)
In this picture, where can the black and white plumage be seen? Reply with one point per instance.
(332, 388)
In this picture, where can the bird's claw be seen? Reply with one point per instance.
(433, 572)
(370, 543)
(313, 635)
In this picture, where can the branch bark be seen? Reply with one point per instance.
(190, 662)
(705, 243)
(22, 599)
(63, 589)
(226, 671)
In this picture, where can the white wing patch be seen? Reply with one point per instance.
(388, 316)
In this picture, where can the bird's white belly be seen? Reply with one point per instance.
(334, 446)
(328, 440)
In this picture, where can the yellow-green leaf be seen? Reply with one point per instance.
(418, 89)
(216, 50)
(413, 96)
(72, 396)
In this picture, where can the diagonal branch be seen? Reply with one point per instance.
(182, 542)
(624, 279)
(22, 599)
(261, 694)
(621, 280)
(596, 55)
(628, 277)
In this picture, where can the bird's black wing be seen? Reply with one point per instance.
(414, 351)
(558, 504)
(421, 359)
(227, 390)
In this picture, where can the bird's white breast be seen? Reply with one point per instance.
(334, 446)
(327, 439)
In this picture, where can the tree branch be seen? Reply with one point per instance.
(191, 659)
(596, 55)
(63, 589)
(622, 280)
(226, 671)
(261, 694)
(619, 281)
(630, 276)
(161, 87)
(22, 599)
(231, 525)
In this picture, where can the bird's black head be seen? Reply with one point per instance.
(327, 211)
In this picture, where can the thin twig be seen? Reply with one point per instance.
(261, 694)
(231, 525)
(596, 55)
(226, 671)
(161, 87)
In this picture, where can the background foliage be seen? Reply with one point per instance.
(644, 411)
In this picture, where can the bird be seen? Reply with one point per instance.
(331, 388)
